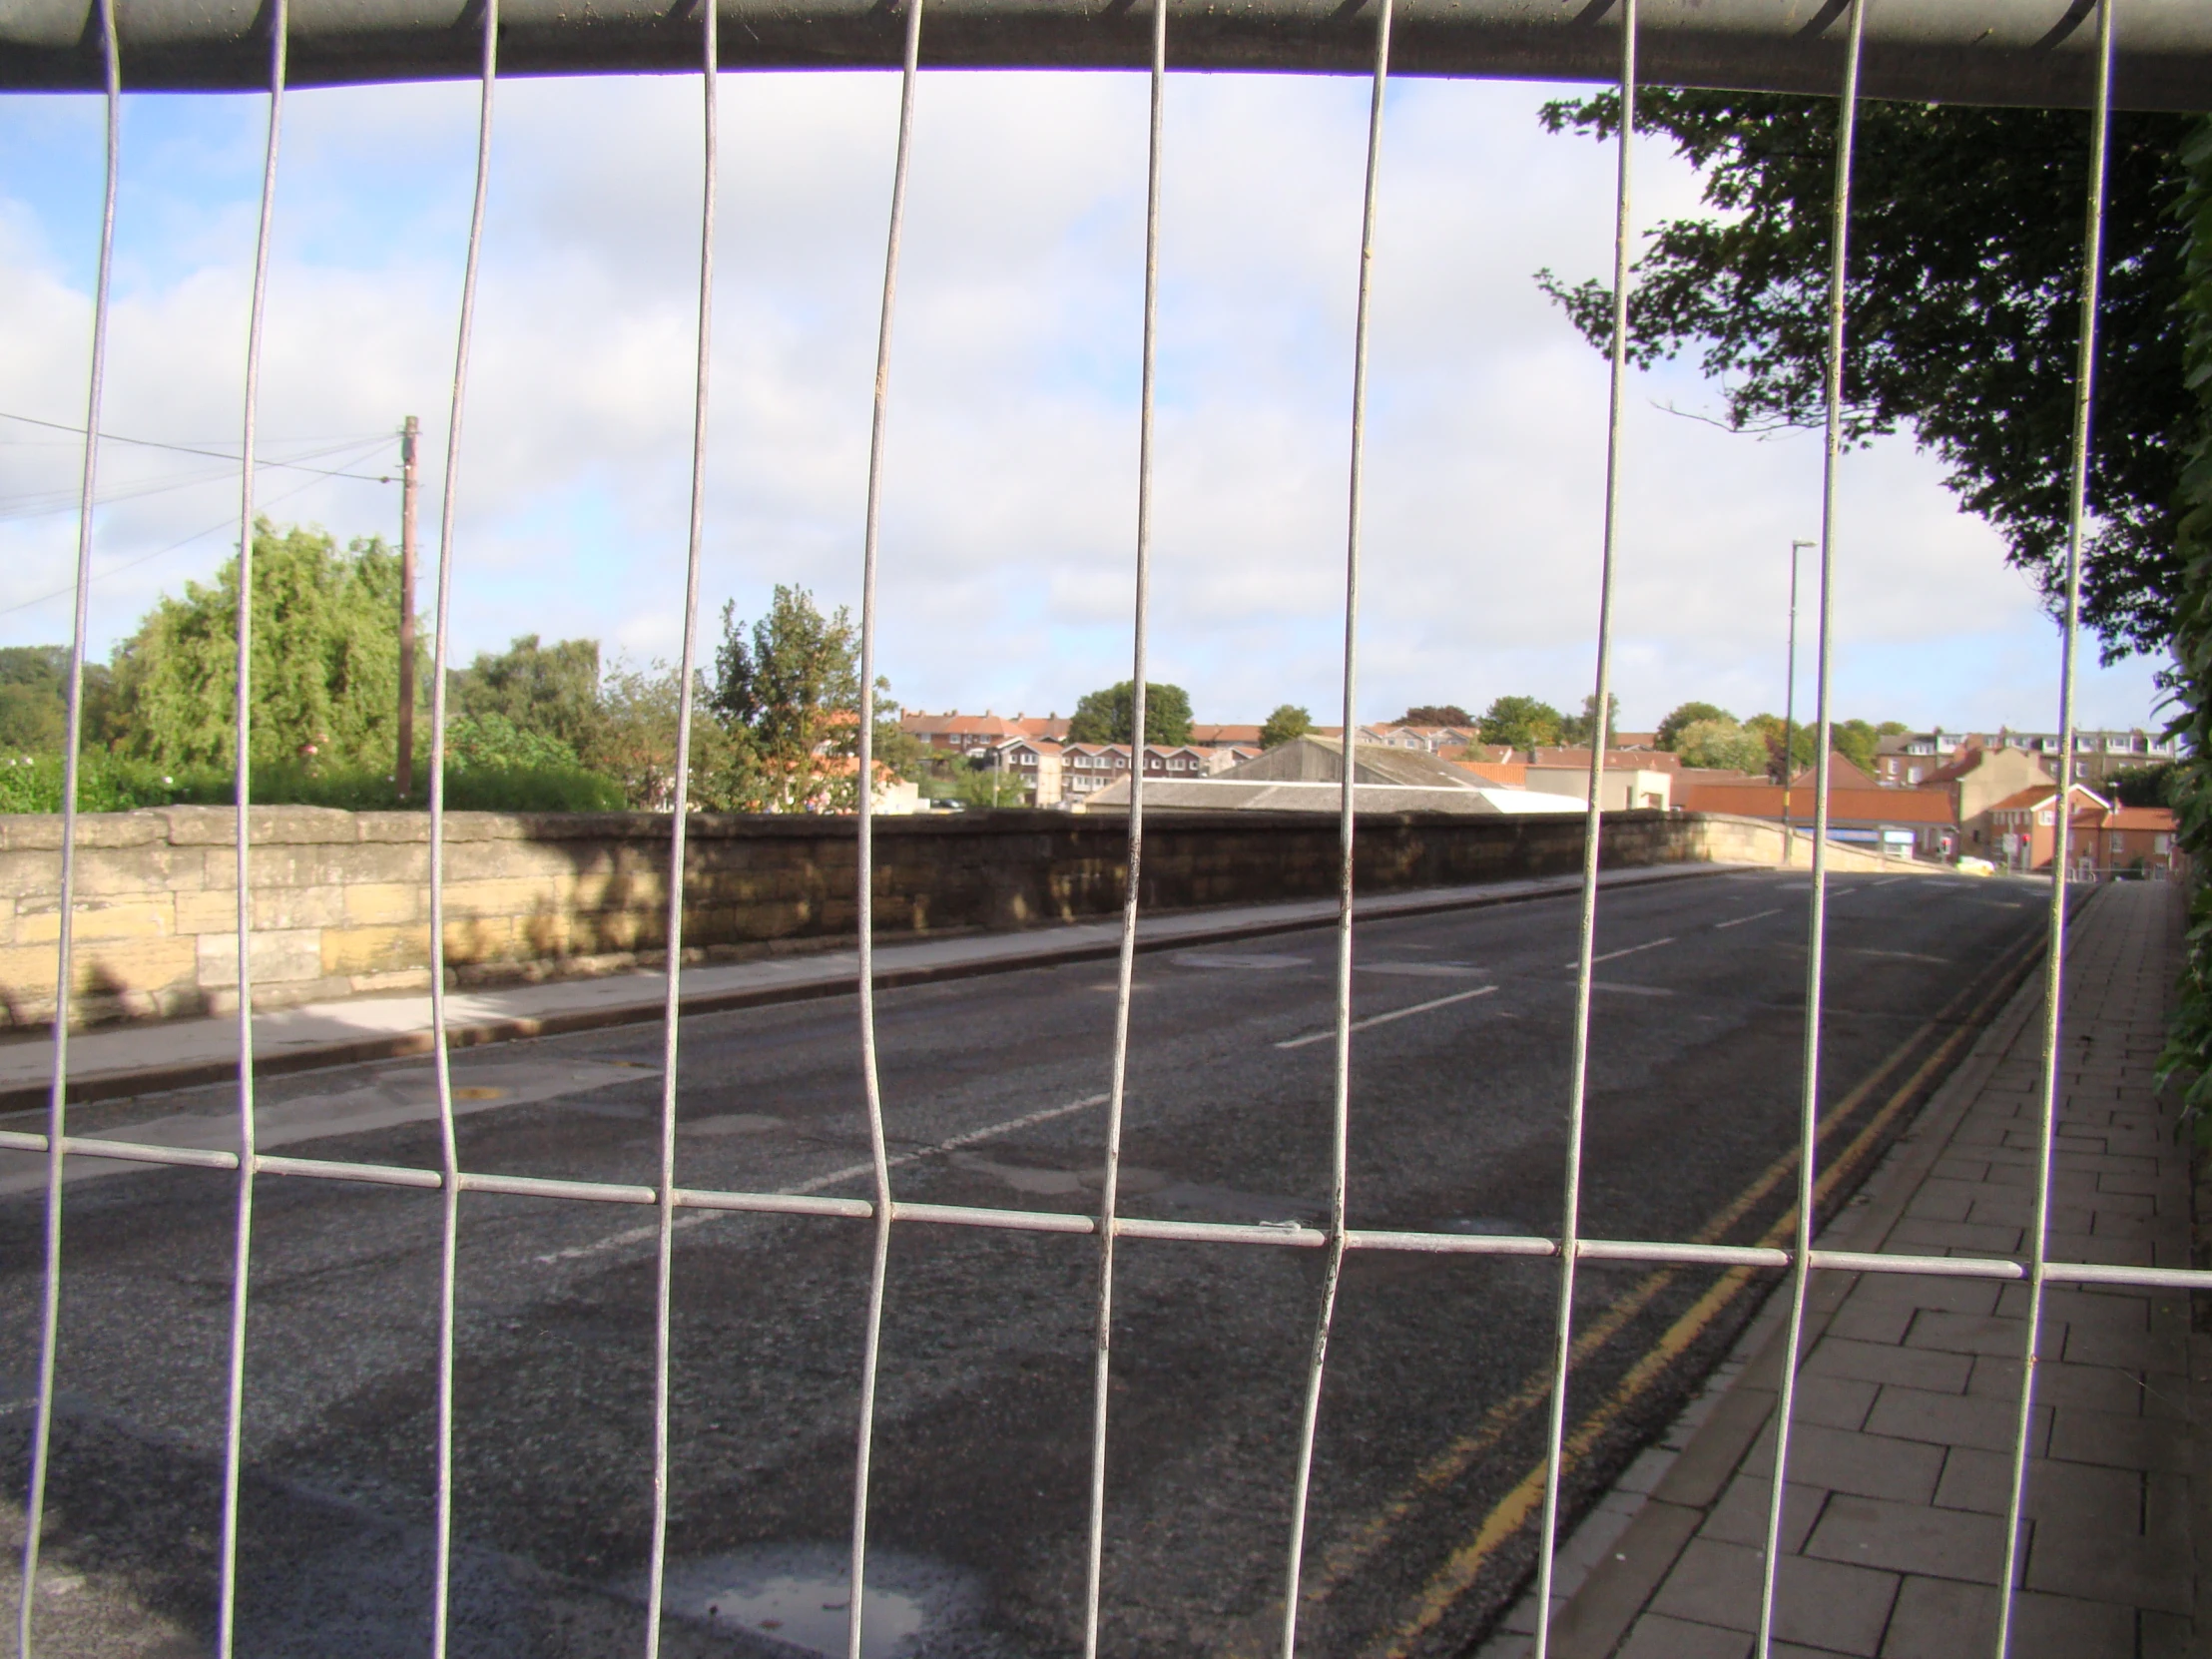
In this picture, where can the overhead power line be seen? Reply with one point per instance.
(220, 455)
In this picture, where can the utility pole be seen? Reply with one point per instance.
(1789, 705)
(404, 771)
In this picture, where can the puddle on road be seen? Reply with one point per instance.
(796, 1597)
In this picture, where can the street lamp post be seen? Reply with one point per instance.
(1789, 703)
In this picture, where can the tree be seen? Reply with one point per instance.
(1963, 302)
(2144, 785)
(1288, 722)
(1107, 716)
(1685, 714)
(34, 700)
(1803, 743)
(1435, 714)
(788, 694)
(493, 742)
(550, 689)
(1720, 744)
(978, 785)
(325, 659)
(1581, 729)
(1520, 722)
(1858, 741)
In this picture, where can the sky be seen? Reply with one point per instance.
(1006, 574)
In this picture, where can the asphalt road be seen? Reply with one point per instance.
(1432, 1414)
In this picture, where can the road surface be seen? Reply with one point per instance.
(1431, 1420)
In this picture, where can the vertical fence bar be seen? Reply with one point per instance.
(1341, 1089)
(242, 739)
(441, 1053)
(1126, 967)
(1816, 956)
(680, 807)
(2054, 961)
(1571, 1219)
(57, 1099)
(864, 855)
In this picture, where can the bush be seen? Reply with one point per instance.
(1720, 744)
(115, 784)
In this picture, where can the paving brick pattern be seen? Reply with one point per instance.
(1899, 1462)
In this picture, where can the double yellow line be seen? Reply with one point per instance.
(1514, 1510)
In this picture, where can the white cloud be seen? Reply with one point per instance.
(1009, 513)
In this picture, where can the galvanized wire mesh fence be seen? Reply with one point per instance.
(1841, 25)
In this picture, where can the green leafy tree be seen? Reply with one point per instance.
(1803, 743)
(1722, 743)
(1858, 741)
(493, 742)
(1686, 715)
(1108, 716)
(34, 700)
(1581, 729)
(2147, 785)
(1520, 722)
(550, 689)
(325, 659)
(1288, 722)
(2188, 1052)
(1435, 714)
(1891, 729)
(1964, 307)
(981, 786)
(788, 692)
(634, 743)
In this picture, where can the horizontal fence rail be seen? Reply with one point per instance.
(2041, 52)
(2120, 53)
(1277, 1235)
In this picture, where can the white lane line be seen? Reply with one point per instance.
(852, 1172)
(1754, 917)
(1385, 1019)
(1632, 990)
(1631, 950)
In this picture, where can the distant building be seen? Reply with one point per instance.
(2023, 827)
(1306, 775)
(1428, 739)
(1922, 821)
(974, 734)
(1913, 758)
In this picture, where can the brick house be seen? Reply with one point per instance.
(2022, 829)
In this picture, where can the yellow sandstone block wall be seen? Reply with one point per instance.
(340, 901)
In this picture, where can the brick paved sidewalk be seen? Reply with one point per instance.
(1900, 1457)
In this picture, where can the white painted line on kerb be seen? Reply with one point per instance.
(1385, 1019)
(1631, 950)
(852, 1172)
(1754, 917)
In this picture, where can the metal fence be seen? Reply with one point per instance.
(2151, 53)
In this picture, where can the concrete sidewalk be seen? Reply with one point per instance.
(108, 1062)
(1899, 1461)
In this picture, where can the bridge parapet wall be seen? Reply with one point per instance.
(340, 900)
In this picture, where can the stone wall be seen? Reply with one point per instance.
(340, 900)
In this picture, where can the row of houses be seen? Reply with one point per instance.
(1934, 794)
